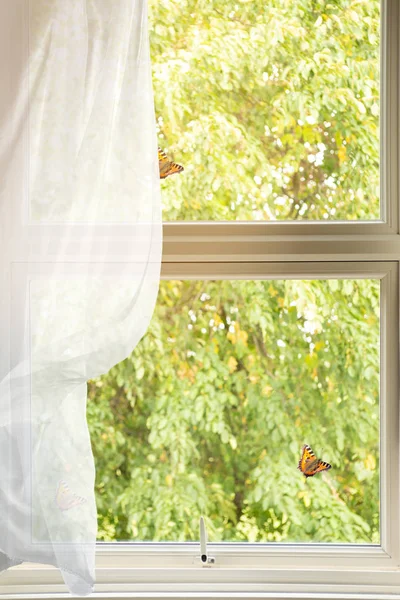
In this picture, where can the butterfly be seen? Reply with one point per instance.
(166, 166)
(309, 464)
(65, 499)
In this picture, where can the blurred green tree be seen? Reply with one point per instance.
(272, 107)
(208, 415)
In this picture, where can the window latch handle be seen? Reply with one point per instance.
(205, 558)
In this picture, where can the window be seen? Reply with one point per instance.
(360, 250)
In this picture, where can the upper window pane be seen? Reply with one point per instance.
(271, 107)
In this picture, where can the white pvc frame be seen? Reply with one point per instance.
(239, 250)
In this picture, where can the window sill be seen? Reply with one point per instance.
(310, 573)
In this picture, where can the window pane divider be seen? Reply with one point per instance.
(234, 243)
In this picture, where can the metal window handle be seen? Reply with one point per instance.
(204, 556)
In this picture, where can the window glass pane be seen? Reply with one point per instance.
(209, 414)
(272, 108)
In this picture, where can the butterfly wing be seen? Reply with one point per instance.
(321, 466)
(65, 498)
(307, 457)
(171, 170)
(166, 166)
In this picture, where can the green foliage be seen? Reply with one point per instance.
(209, 413)
(272, 107)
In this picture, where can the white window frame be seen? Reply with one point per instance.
(277, 250)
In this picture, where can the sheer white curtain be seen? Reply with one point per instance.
(80, 235)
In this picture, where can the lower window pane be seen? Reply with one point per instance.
(209, 414)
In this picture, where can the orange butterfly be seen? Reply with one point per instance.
(309, 464)
(166, 166)
(65, 499)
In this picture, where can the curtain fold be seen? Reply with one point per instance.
(80, 226)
